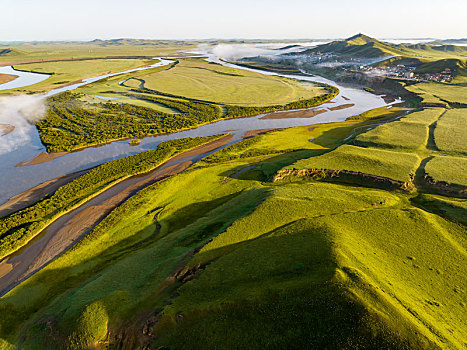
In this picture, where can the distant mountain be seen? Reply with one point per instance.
(363, 46)
(124, 41)
(359, 45)
(454, 41)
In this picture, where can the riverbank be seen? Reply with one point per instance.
(62, 231)
(34, 194)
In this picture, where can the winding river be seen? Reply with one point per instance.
(15, 180)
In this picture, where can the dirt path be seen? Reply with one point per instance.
(69, 228)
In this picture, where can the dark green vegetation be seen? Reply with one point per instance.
(72, 122)
(20, 227)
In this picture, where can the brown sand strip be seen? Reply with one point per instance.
(306, 113)
(33, 195)
(346, 98)
(344, 106)
(208, 147)
(5, 78)
(42, 157)
(6, 129)
(252, 133)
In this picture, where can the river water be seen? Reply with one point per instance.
(14, 180)
(24, 78)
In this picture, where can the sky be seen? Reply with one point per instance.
(27, 20)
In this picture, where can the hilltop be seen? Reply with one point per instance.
(363, 46)
(10, 52)
(359, 45)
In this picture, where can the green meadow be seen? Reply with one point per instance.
(450, 132)
(195, 78)
(410, 132)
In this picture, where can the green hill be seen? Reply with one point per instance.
(359, 45)
(363, 46)
(10, 52)
(457, 67)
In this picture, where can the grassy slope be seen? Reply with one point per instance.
(410, 132)
(448, 169)
(398, 166)
(434, 92)
(363, 46)
(451, 130)
(201, 80)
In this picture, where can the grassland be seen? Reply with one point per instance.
(97, 49)
(220, 257)
(450, 132)
(76, 120)
(195, 78)
(440, 93)
(327, 261)
(410, 132)
(65, 72)
(398, 166)
(451, 170)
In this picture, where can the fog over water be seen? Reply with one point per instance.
(21, 112)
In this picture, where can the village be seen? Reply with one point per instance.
(407, 73)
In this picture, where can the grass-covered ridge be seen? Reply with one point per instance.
(381, 163)
(410, 132)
